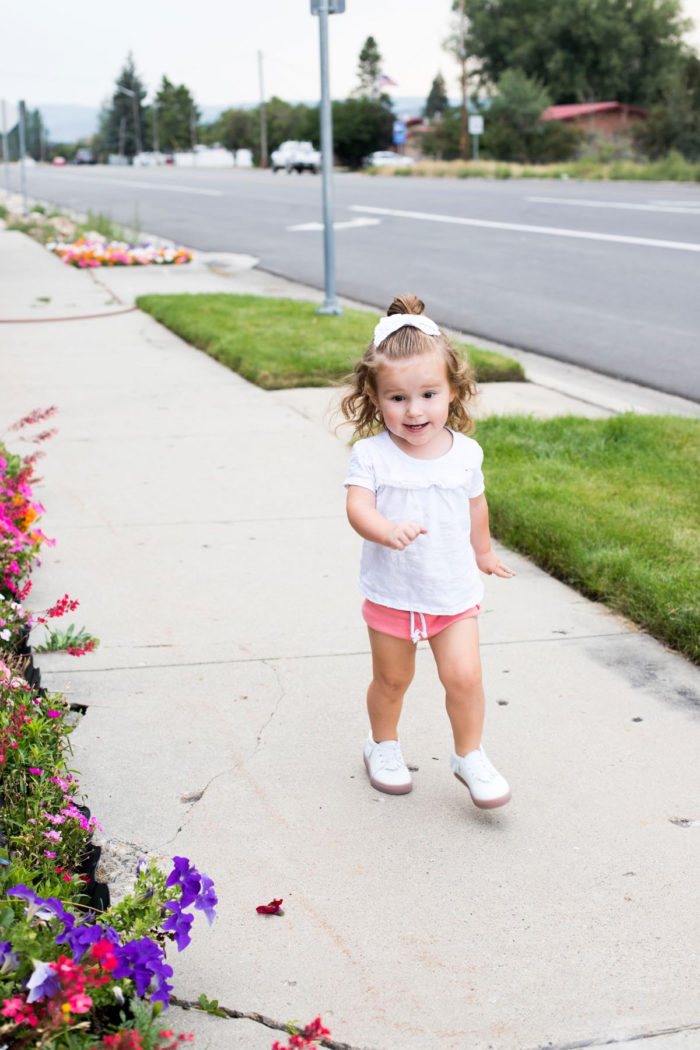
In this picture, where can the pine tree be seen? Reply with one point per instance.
(123, 128)
(437, 101)
(175, 117)
(369, 67)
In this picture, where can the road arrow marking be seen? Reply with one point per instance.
(348, 225)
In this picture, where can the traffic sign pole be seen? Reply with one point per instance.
(330, 303)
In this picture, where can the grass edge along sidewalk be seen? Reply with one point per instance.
(282, 343)
(604, 505)
(609, 507)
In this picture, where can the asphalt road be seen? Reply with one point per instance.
(606, 275)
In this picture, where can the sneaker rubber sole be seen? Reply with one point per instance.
(490, 803)
(389, 789)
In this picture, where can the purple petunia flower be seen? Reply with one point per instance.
(143, 962)
(179, 924)
(187, 877)
(35, 905)
(43, 983)
(9, 960)
(207, 899)
(81, 937)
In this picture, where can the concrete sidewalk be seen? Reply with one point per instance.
(200, 521)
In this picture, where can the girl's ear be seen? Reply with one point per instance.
(371, 395)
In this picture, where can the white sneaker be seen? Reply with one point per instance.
(386, 768)
(487, 787)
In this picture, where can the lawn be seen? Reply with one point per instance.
(610, 506)
(279, 343)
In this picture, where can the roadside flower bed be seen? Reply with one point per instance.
(96, 251)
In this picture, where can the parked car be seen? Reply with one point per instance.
(295, 156)
(85, 156)
(386, 158)
(58, 162)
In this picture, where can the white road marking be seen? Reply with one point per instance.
(547, 231)
(695, 204)
(350, 224)
(679, 209)
(128, 183)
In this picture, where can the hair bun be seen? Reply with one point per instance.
(406, 304)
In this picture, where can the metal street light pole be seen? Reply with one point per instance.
(137, 123)
(330, 303)
(263, 116)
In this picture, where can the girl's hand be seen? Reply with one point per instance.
(402, 533)
(491, 564)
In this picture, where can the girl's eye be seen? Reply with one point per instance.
(396, 397)
(429, 393)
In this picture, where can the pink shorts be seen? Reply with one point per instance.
(414, 626)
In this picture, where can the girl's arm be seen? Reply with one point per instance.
(371, 525)
(487, 560)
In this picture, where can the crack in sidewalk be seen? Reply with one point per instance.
(193, 800)
(594, 1043)
(268, 1022)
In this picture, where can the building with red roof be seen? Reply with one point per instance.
(597, 118)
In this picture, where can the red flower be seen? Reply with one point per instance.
(273, 908)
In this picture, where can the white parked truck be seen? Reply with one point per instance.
(295, 156)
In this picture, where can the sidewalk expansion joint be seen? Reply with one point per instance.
(309, 656)
(596, 1043)
(268, 1022)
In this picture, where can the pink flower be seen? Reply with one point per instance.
(49, 853)
(33, 769)
(55, 836)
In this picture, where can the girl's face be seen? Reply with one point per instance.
(414, 398)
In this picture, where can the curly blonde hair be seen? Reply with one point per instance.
(357, 405)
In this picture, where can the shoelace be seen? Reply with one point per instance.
(389, 752)
(482, 768)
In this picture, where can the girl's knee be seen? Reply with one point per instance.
(461, 677)
(392, 683)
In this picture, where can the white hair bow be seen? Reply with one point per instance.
(389, 325)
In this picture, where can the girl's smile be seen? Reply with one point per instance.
(413, 396)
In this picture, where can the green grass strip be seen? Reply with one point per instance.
(611, 506)
(279, 343)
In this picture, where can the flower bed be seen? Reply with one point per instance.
(73, 975)
(96, 251)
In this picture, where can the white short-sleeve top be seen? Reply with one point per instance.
(437, 573)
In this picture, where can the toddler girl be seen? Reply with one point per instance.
(415, 493)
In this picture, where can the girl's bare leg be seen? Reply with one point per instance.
(456, 652)
(393, 666)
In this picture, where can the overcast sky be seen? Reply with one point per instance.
(72, 52)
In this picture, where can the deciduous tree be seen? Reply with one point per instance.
(580, 50)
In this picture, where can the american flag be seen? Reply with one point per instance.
(386, 81)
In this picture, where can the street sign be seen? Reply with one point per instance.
(335, 7)
(399, 133)
(476, 125)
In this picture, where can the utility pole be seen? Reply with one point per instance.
(463, 132)
(322, 8)
(263, 115)
(193, 127)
